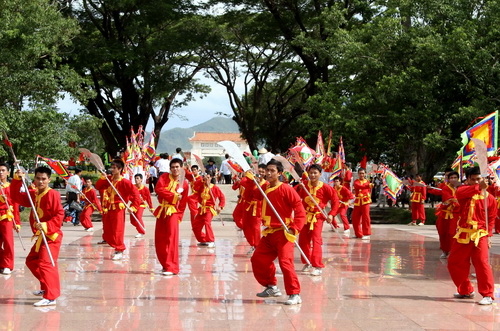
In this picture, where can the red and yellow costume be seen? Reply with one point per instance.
(113, 209)
(311, 232)
(471, 241)
(239, 210)
(275, 241)
(50, 212)
(193, 198)
(206, 211)
(347, 179)
(447, 213)
(168, 216)
(253, 213)
(361, 221)
(417, 199)
(88, 208)
(7, 217)
(345, 195)
(145, 202)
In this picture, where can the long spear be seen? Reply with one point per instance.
(96, 161)
(8, 208)
(26, 188)
(234, 151)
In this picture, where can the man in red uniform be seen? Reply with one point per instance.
(310, 239)
(207, 193)
(239, 210)
(51, 213)
(472, 241)
(193, 177)
(91, 197)
(347, 175)
(173, 197)
(417, 199)
(253, 210)
(447, 212)
(276, 242)
(345, 195)
(7, 223)
(361, 221)
(113, 217)
(145, 202)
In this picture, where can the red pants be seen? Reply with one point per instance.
(140, 228)
(417, 211)
(200, 221)
(192, 204)
(167, 241)
(251, 228)
(310, 241)
(113, 227)
(85, 217)
(361, 221)
(6, 245)
(459, 267)
(41, 267)
(271, 246)
(446, 229)
(239, 214)
(342, 211)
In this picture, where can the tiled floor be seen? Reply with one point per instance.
(393, 282)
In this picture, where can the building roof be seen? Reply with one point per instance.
(217, 136)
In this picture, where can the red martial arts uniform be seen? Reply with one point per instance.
(51, 214)
(239, 210)
(253, 213)
(168, 216)
(206, 210)
(311, 232)
(145, 202)
(417, 199)
(495, 191)
(447, 215)
(193, 198)
(88, 209)
(7, 226)
(361, 221)
(113, 209)
(345, 195)
(471, 241)
(275, 243)
(347, 179)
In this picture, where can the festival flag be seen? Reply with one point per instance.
(341, 152)
(486, 130)
(320, 149)
(149, 149)
(392, 185)
(337, 169)
(329, 148)
(305, 154)
(57, 166)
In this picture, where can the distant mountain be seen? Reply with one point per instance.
(179, 137)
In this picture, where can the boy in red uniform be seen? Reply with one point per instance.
(7, 223)
(347, 176)
(173, 197)
(447, 212)
(88, 208)
(311, 232)
(361, 221)
(145, 202)
(207, 193)
(276, 242)
(472, 240)
(239, 210)
(192, 203)
(113, 207)
(345, 195)
(417, 199)
(253, 210)
(51, 213)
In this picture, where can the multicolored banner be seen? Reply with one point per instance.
(486, 130)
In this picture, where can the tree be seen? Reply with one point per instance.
(139, 59)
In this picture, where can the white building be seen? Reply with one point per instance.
(205, 143)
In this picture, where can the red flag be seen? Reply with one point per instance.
(362, 164)
(57, 166)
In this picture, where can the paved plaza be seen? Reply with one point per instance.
(396, 281)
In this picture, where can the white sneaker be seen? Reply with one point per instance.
(117, 256)
(316, 272)
(90, 229)
(412, 223)
(421, 224)
(347, 233)
(270, 291)
(38, 293)
(485, 301)
(250, 252)
(139, 235)
(365, 238)
(6, 271)
(293, 299)
(210, 244)
(44, 302)
(307, 268)
(443, 255)
(167, 273)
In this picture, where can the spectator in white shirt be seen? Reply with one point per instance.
(163, 164)
(225, 169)
(264, 156)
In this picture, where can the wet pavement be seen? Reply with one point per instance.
(394, 281)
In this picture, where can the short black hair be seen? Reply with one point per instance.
(453, 173)
(118, 163)
(43, 170)
(262, 165)
(178, 150)
(78, 170)
(195, 166)
(176, 160)
(3, 164)
(315, 166)
(472, 171)
(337, 178)
(227, 156)
(87, 178)
(276, 163)
(138, 175)
(448, 170)
(361, 169)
